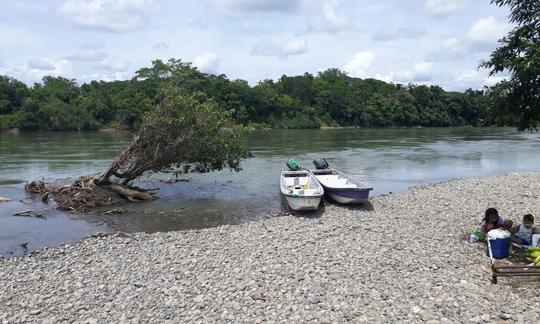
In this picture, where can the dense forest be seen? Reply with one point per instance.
(330, 98)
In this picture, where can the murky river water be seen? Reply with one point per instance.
(388, 159)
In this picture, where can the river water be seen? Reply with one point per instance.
(390, 160)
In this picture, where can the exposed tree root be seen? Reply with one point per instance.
(36, 186)
(84, 194)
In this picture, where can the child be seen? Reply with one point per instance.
(492, 220)
(524, 231)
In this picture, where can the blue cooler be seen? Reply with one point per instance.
(500, 248)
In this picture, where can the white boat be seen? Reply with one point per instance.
(301, 190)
(339, 186)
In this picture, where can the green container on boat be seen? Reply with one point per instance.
(292, 165)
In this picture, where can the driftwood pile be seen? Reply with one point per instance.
(84, 194)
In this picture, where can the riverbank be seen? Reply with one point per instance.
(406, 259)
(255, 127)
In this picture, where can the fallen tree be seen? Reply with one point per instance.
(182, 134)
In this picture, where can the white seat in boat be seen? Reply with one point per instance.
(301, 183)
(329, 178)
(335, 181)
(306, 192)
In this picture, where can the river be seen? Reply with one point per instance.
(390, 160)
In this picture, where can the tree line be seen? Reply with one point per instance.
(329, 98)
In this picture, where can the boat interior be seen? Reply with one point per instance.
(300, 183)
(331, 178)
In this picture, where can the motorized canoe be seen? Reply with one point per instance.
(339, 186)
(301, 190)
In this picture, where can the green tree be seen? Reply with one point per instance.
(519, 54)
(57, 115)
(303, 101)
(180, 134)
(12, 94)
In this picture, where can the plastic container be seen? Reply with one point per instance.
(536, 240)
(474, 237)
(500, 248)
(292, 165)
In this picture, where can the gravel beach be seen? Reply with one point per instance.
(404, 259)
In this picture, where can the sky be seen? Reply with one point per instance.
(433, 42)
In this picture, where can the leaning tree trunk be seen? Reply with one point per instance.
(120, 161)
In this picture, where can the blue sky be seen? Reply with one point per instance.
(420, 41)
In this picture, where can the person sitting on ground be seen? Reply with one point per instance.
(492, 220)
(524, 231)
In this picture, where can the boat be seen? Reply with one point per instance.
(339, 186)
(301, 190)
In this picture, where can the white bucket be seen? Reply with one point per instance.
(536, 240)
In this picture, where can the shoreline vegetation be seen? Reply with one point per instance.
(328, 99)
(322, 127)
(403, 259)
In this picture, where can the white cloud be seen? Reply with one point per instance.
(279, 28)
(87, 55)
(335, 22)
(106, 15)
(282, 49)
(35, 70)
(197, 23)
(423, 66)
(242, 7)
(208, 62)
(160, 46)
(452, 49)
(445, 7)
(330, 21)
(451, 43)
(486, 31)
(113, 64)
(476, 79)
(360, 65)
(482, 36)
(402, 33)
(115, 76)
(42, 64)
(420, 72)
(93, 45)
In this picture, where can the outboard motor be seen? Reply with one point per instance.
(320, 164)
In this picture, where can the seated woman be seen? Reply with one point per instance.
(492, 220)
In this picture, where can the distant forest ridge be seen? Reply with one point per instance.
(330, 98)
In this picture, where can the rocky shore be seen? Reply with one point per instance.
(404, 259)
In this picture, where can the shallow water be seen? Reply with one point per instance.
(388, 159)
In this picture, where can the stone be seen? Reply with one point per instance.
(325, 269)
(506, 316)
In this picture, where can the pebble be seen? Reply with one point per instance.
(505, 316)
(405, 259)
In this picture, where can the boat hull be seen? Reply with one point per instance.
(347, 196)
(303, 203)
(341, 187)
(300, 190)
